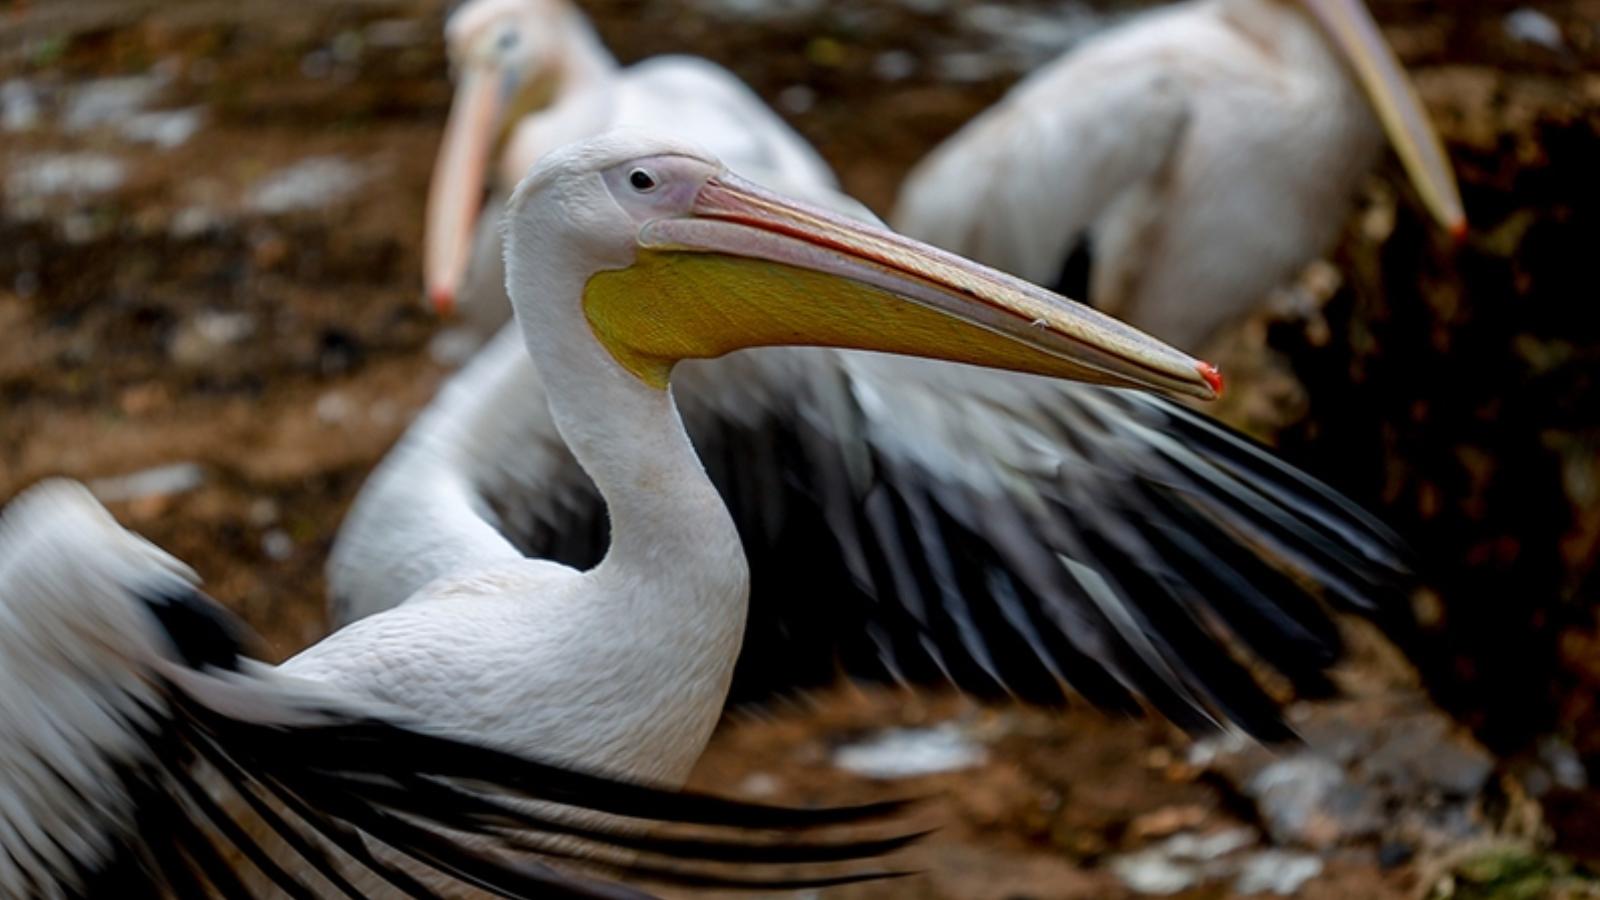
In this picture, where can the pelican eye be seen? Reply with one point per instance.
(507, 39)
(642, 181)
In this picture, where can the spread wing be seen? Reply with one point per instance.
(935, 523)
(146, 756)
(1014, 536)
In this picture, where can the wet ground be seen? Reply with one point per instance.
(209, 268)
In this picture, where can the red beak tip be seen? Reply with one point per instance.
(1212, 377)
(443, 300)
(1458, 232)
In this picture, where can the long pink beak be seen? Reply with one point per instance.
(842, 283)
(456, 193)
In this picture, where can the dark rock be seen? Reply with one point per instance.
(1309, 800)
(1384, 766)
(1394, 853)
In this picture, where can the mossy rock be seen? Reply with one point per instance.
(1516, 875)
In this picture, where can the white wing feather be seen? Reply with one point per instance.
(139, 748)
(75, 663)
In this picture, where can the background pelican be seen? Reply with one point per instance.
(142, 750)
(533, 76)
(1206, 152)
(1007, 533)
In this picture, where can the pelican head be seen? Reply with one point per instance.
(506, 57)
(670, 257)
(1352, 31)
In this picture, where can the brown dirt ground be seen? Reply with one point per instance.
(91, 385)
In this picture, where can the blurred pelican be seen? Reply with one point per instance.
(1206, 152)
(145, 755)
(533, 76)
(1007, 533)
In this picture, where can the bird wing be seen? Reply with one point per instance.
(1019, 186)
(1011, 535)
(143, 754)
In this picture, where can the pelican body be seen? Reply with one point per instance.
(625, 254)
(1008, 533)
(1204, 153)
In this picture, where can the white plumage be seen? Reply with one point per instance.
(1206, 152)
(621, 668)
(914, 517)
(630, 659)
(139, 749)
(67, 704)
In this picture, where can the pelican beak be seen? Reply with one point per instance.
(748, 268)
(1353, 31)
(456, 192)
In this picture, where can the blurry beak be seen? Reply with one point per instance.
(456, 192)
(1353, 31)
(749, 268)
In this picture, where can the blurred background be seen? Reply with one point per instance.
(210, 308)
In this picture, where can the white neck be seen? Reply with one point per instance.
(1289, 29)
(669, 527)
(585, 61)
(663, 614)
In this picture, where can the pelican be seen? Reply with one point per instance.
(1204, 153)
(140, 748)
(533, 76)
(1008, 533)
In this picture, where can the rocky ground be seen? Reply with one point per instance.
(209, 307)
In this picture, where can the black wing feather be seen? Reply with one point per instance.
(1157, 538)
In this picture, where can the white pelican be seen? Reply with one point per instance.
(1006, 532)
(625, 254)
(1205, 152)
(533, 76)
(140, 750)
